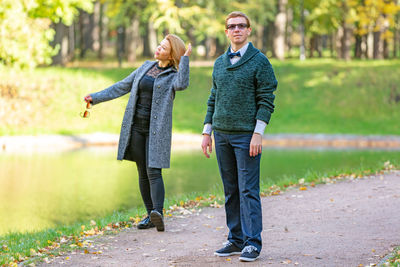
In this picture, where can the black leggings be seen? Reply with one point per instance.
(150, 179)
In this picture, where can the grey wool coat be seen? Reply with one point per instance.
(165, 85)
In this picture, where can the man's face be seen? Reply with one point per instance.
(236, 33)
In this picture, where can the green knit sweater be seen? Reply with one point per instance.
(242, 93)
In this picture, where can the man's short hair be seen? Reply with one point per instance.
(236, 14)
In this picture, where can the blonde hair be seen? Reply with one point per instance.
(177, 49)
(236, 14)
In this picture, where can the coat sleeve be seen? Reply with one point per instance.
(265, 87)
(182, 78)
(116, 90)
(211, 103)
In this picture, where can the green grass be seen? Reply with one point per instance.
(313, 96)
(18, 245)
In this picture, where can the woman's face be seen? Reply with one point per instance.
(163, 51)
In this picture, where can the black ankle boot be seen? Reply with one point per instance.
(157, 219)
(145, 223)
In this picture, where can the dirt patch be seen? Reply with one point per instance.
(349, 223)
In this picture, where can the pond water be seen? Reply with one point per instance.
(42, 190)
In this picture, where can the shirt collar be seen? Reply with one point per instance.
(242, 50)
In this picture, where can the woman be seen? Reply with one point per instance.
(147, 124)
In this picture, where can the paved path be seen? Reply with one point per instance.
(348, 223)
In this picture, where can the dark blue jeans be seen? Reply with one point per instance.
(240, 175)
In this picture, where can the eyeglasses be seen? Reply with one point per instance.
(240, 26)
(86, 113)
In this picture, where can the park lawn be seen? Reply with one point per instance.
(313, 96)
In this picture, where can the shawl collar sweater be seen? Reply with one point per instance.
(241, 93)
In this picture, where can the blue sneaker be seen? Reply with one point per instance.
(249, 253)
(228, 250)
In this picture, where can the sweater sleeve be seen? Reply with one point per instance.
(211, 104)
(266, 85)
(116, 90)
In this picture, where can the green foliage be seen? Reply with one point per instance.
(24, 40)
(25, 29)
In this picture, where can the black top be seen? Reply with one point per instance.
(145, 96)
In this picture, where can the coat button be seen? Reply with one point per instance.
(154, 133)
(155, 117)
(158, 86)
(157, 101)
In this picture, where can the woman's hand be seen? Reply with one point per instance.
(88, 99)
(189, 50)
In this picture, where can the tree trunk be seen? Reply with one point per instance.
(71, 42)
(211, 47)
(395, 43)
(377, 49)
(280, 26)
(385, 49)
(302, 32)
(345, 42)
(319, 45)
(149, 40)
(86, 30)
(289, 29)
(60, 40)
(260, 37)
(120, 44)
(132, 40)
(357, 46)
(396, 39)
(332, 42)
(312, 46)
(95, 27)
(102, 32)
(364, 46)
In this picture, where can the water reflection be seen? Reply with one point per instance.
(43, 190)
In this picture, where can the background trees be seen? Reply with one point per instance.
(38, 32)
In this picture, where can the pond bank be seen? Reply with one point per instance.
(48, 143)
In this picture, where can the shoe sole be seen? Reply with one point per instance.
(248, 259)
(227, 254)
(145, 227)
(157, 220)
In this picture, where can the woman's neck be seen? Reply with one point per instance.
(163, 64)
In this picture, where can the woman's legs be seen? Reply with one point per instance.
(156, 188)
(150, 179)
(138, 149)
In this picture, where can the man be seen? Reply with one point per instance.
(239, 108)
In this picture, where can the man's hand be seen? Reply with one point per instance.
(207, 142)
(255, 145)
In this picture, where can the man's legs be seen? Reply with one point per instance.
(227, 166)
(249, 191)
